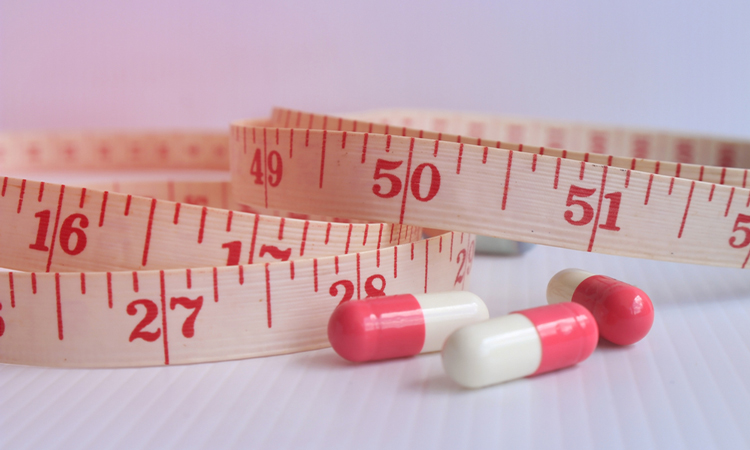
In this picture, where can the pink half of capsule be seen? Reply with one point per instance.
(521, 344)
(623, 312)
(400, 325)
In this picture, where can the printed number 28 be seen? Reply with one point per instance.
(576, 193)
(348, 287)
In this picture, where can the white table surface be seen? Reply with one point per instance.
(686, 385)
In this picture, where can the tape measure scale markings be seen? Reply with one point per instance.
(159, 281)
(116, 279)
(585, 201)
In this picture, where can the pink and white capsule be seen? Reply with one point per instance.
(400, 325)
(623, 312)
(521, 344)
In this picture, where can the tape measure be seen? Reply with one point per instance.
(590, 201)
(171, 272)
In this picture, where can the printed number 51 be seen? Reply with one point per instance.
(588, 211)
(741, 218)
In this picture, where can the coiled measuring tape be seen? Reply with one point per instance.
(143, 277)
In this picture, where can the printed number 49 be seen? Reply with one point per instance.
(275, 168)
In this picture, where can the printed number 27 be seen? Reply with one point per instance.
(152, 312)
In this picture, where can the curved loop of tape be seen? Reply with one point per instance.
(579, 200)
(132, 273)
(137, 278)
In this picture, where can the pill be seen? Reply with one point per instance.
(523, 343)
(623, 312)
(400, 325)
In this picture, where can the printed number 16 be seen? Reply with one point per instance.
(275, 168)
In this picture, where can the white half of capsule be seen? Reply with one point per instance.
(493, 351)
(445, 312)
(562, 286)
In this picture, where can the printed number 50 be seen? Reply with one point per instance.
(396, 183)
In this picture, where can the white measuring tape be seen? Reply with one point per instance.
(119, 279)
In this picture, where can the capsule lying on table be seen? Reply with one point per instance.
(623, 312)
(521, 344)
(401, 325)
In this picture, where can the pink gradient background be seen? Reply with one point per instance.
(674, 64)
